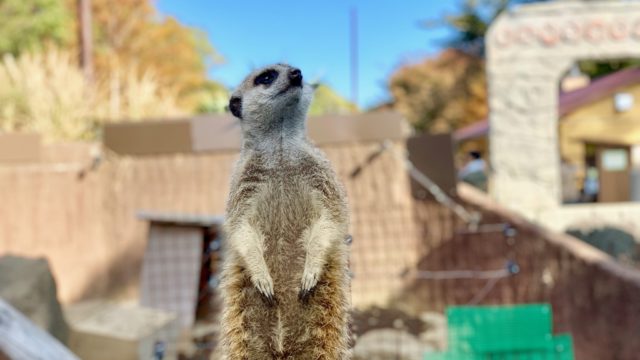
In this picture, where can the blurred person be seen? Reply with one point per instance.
(474, 171)
(568, 173)
(591, 186)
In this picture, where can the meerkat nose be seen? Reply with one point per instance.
(295, 76)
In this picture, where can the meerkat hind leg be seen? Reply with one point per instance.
(317, 328)
(247, 321)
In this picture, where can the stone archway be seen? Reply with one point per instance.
(528, 50)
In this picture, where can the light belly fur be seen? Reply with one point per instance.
(285, 211)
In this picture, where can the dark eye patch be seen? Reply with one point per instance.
(267, 77)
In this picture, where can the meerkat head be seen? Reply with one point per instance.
(274, 94)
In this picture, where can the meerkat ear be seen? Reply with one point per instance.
(235, 106)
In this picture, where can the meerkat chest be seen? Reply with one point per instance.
(287, 201)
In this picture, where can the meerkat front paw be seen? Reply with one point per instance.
(264, 285)
(310, 279)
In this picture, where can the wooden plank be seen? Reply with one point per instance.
(21, 339)
(149, 137)
(20, 148)
(614, 182)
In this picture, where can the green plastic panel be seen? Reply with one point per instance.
(562, 350)
(563, 346)
(453, 356)
(500, 329)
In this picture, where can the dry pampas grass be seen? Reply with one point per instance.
(47, 93)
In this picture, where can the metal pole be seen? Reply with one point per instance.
(354, 55)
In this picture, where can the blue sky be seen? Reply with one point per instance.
(314, 35)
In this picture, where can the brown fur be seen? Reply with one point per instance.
(286, 210)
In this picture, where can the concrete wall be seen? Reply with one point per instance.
(529, 49)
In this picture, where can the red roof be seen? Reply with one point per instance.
(569, 101)
(472, 131)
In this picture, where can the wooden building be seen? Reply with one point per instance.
(599, 134)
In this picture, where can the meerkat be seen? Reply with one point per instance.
(285, 277)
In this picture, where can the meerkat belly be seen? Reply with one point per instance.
(287, 210)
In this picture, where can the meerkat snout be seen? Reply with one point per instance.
(295, 76)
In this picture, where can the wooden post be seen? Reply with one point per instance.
(85, 38)
(21, 339)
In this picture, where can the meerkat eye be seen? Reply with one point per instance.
(266, 78)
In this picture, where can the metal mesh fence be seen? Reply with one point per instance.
(410, 258)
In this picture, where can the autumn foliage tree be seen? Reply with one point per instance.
(449, 91)
(442, 93)
(146, 66)
(132, 34)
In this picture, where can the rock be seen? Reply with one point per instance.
(21, 339)
(436, 334)
(105, 331)
(434, 319)
(27, 284)
(389, 344)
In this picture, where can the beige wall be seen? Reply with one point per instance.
(47, 212)
(528, 50)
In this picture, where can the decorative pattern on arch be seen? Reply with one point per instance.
(528, 50)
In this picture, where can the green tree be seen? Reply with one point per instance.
(449, 91)
(328, 102)
(132, 33)
(470, 24)
(28, 25)
(212, 98)
(596, 68)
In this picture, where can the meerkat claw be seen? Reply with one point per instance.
(309, 281)
(265, 288)
(269, 299)
(303, 295)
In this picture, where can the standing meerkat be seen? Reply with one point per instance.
(285, 280)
